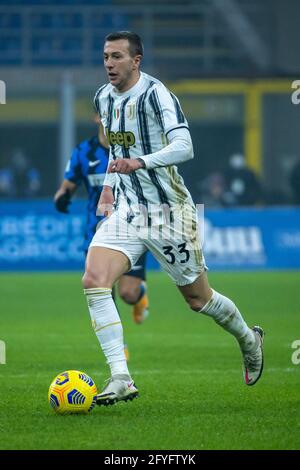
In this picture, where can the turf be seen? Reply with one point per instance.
(187, 368)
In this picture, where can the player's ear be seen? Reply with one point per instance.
(137, 61)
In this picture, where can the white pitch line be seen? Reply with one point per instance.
(161, 371)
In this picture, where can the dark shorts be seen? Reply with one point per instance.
(139, 269)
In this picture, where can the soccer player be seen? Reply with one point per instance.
(88, 164)
(148, 136)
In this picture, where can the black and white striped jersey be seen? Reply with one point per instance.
(137, 123)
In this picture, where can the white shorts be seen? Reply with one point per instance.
(176, 246)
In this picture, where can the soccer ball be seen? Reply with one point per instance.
(72, 392)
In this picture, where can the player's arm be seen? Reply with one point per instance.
(167, 111)
(101, 135)
(106, 201)
(179, 149)
(72, 179)
(63, 195)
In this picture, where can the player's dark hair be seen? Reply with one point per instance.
(135, 43)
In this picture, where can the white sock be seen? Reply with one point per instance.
(108, 328)
(227, 315)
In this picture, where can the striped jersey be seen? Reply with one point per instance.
(137, 123)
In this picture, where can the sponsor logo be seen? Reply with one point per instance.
(288, 239)
(124, 139)
(137, 267)
(234, 244)
(34, 238)
(94, 163)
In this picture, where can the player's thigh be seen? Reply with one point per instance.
(180, 255)
(104, 266)
(123, 247)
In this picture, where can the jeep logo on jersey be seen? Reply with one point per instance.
(125, 139)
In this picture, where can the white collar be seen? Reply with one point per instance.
(133, 90)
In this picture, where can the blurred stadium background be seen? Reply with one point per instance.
(232, 64)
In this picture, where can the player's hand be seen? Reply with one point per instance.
(125, 166)
(106, 202)
(62, 201)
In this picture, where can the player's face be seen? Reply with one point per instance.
(122, 69)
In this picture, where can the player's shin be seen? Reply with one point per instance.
(227, 315)
(108, 328)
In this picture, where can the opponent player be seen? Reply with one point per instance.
(148, 135)
(88, 164)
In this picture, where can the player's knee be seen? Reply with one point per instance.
(88, 280)
(93, 279)
(195, 303)
(129, 295)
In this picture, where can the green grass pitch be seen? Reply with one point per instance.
(187, 368)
